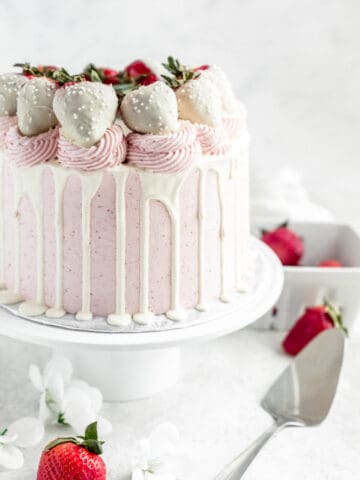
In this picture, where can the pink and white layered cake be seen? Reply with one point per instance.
(123, 194)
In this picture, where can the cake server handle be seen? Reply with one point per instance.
(236, 469)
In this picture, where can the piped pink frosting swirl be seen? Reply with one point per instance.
(28, 151)
(213, 141)
(236, 124)
(109, 151)
(6, 123)
(170, 153)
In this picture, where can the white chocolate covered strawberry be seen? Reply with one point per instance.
(151, 109)
(199, 102)
(34, 106)
(10, 85)
(217, 77)
(85, 111)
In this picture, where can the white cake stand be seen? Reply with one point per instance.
(127, 366)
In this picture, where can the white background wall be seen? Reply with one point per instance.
(296, 65)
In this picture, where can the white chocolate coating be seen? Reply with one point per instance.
(10, 85)
(151, 109)
(218, 77)
(34, 106)
(199, 102)
(85, 111)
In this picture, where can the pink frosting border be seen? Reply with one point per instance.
(172, 153)
(213, 141)
(6, 122)
(28, 151)
(108, 152)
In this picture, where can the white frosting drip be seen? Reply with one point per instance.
(35, 106)
(90, 184)
(220, 168)
(120, 317)
(199, 102)
(10, 85)
(85, 110)
(60, 177)
(166, 189)
(151, 109)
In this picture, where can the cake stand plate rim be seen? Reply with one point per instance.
(265, 294)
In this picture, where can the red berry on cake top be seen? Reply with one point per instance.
(35, 106)
(85, 111)
(151, 109)
(10, 85)
(287, 245)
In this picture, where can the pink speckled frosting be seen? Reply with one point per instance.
(171, 153)
(213, 141)
(28, 151)
(6, 123)
(109, 151)
(236, 124)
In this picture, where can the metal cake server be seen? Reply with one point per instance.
(300, 397)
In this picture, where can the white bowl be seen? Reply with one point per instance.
(308, 284)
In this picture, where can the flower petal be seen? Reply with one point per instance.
(45, 414)
(29, 431)
(96, 399)
(55, 387)
(137, 474)
(164, 440)
(58, 366)
(144, 454)
(36, 378)
(11, 457)
(77, 410)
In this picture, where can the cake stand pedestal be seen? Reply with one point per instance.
(128, 366)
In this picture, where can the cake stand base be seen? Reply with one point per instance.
(134, 374)
(127, 366)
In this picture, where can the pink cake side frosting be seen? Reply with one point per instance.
(109, 151)
(170, 153)
(28, 151)
(6, 123)
(103, 249)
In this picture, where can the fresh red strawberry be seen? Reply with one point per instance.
(314, 321)
(111, 80)
(285, 243)
(137, 68)
(149, 79)
(201, 68)
(330, 263)
(68, 84)
(110, 72)
(73, 458)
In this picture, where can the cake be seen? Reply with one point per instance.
(123, 194)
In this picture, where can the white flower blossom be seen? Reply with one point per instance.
(66, 401)
(25, 432)
(155, 461)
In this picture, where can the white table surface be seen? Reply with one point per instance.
(216, 408)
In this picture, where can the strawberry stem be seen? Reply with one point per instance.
(90, 441)
(180, 73)
(336, 316)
